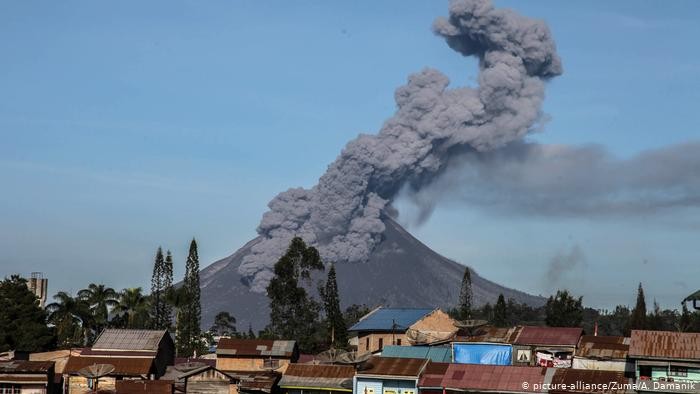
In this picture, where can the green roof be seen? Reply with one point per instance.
(435, 354)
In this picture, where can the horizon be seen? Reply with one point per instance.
(130, 128)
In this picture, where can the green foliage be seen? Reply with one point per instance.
(638, 318)
(224, 325)
(293, 314)
(73, 318)
(354, 313)
(133, 310)
(101, 300)
(563, 310)
(500, 312)
(22, 321)
(464, 310)
(161, 281)
(188, 332)
(334, 317)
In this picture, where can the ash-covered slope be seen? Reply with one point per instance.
(401, 271)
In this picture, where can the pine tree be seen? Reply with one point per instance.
(22, 321)
(157, 293)
(465, 296)
(167, 285)
(638, 318)
(334, 316)
(500, 312)
(563, 310)
(293, 314)
(251, 333)
(189, 330)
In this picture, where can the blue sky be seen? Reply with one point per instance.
(129, 125)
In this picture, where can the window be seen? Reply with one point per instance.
(678, 371)
(8, 388)
(398, 341)
(381, 346)
(369, 390)
(271, 363)
(389, 391)
(407, 392)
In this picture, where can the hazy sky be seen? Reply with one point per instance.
(124, 126)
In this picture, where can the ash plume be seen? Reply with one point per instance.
(433, 123)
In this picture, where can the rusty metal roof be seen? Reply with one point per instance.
(318, 376)
(144, 386)
(664, 345)
(123, 366)
(580, 380)
(23, 366)
(256, 381)
(549, 336)
(255, 347)
(603, 347)
(126, 339)
(433, 374)
(492, 335)
(390, 366)
(500, 378)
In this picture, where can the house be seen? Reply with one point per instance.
(144, 387)
(317, 379)
(568, 380)
(389, 375)
(487, 346)
(438, 354)
(546, 346)
(59, 358)
(22, 376)
(199, 376)
(477, 378)
(255, 354)
(664, 360)
(133, 354)
(603, 353)
(400, 327)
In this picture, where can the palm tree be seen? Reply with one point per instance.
(72, 317)
(102, 300)
(135, 306)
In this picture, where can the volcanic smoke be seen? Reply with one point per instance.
(433, 123)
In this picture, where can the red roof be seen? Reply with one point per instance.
(391, 366)
(549, 336)
(664, 344)
(499, 378)
(122, 366)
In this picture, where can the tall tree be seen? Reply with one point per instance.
(638, 318)
(167, 279)
(334, 317)
(101, 300)
(71, 316)
(500, 312)
(158, 289)
(134, 306)
(224, 324)
(293, 314)
(685, 322)
(189, 333)
(465, 296)
(22, 321)
(563, 310)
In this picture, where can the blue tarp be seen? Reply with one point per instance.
(479, 353)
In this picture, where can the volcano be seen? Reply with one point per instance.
(401, 272)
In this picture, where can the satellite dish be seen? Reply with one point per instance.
(353, 358)
(96, 371)
(190, 366)
(471, 323)
(330, 356)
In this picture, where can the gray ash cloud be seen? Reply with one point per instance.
(433, 124)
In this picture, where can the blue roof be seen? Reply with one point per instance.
(387, 319)
(435, 354)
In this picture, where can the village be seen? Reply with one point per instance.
(392, 351)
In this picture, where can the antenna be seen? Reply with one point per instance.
(95, 371)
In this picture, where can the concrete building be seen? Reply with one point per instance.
(388, 375)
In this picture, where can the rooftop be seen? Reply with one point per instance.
(23, 366)
(435, 354)
(134, 340)
(492, 335)
(393, 366)
(549, 336)
(318, 376)
(497, 378)
(387, 319)
(123, 366)
(603, 347)
(665, 345)
(576, 379)
(255, 347)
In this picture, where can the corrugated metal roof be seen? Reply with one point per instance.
(575, 380)
(122, 366)
(498, 378)
(256, 381)
(664, 344)
(19, 379)
(436, 354)
(318, 376)
(391, 366)
(549, 336)
(255, 347)
(125, 339)
(603, 347)
(492, 335)
(23, 366)
(387, 319)
(433, 374)
(144, 386)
